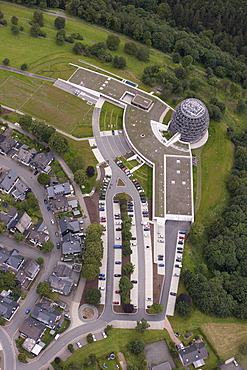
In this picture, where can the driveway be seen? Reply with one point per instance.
(157, 353)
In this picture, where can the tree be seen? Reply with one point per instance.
(25, 122)
(60, 40)
(112, 42)
(47, 246)
(90, 171)
(14, 20)
(38, 18)
(6, 61)
(241, 106)
(141, 326)
(128, 308)
(59, 23)
(180, 73)
(43, 289)
(40, 261)
(183, 308)
(196, 231)
(80, 177)
(176, 58)
(128, 269)
(90, 271)
(119, 62)
(77, 48)
(43, 179)
(187, 60)
(24, 67)
(71, 347)
(15, 30)
(143, 54)
(90, 338)
(22, 357)
(93, 296)
(3, 227)
(156, 308)
(131, 48)
(35, 30)
(58, 143)
(18, 237)
(92, 359)
(136, 346)
(108, 329)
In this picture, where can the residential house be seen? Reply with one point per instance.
(20, 190)
(194, 354)
(71, 242)
(39, 235)
(21, 223)
(45, 314)
(8, 308)
(69, 225)
(31, 328)
(60, 204)
(7, 145)
(27, 273)
(8, 216)
(41, 161)
(63, 278)
(59, 190)
(8, 180)
(11, 260)
(25, 155)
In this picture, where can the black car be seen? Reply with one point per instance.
(116, 201)
(133, 238)
(101, 278)
(45, 201)
(181, 252)
(117, 275)
(173, 293)
(179, 248)
(58, 245)
(180, 242)
(118, 229)
(178, 266)
(134, 281)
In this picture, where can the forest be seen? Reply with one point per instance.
(212, 33)
(220, 286)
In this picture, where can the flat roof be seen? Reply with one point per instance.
(142, 101)
(178, 185)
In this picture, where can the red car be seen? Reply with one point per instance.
(181, 237)
(117, 291)
(115, 302)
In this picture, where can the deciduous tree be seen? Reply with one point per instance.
(59, 23)
(47, 246)
(112, 42)
(43, 289)
(93, 296)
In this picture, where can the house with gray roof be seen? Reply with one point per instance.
(39, 234)
(41, 161)
(28, 272)
(46, 314)
(69, 225)
(31, 328)
(25, 155)
(8, 216)
(7, 181)
(11, 259)
(8, 308)
(59, 190)
(20, 190)
(60, 204)
(194, 354)
(7, 145)
(63, 278)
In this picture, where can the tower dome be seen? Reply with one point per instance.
(191, 120)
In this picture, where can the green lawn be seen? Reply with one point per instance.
(116, 342)
(216, 161)
(167, 117)
(111, 117)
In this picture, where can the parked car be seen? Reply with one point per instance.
(79, 344)
(118, 262)
(48, 208)
(115, 302)
(134, 281)
(173, 293)
(94, 338)
(117, 291)
(56, 233)
(52, 221)
(58, 245)
(104, 334)
(27, 311)
(45, 201)
(117, 275)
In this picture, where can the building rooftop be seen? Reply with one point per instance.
(32, 328)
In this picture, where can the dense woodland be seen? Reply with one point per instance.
(220, 286)
(213, 33)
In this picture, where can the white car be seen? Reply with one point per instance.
(94, 338)
(118, 238)
(52, 221)
(79, 344)
(133, 244)
(104, 334)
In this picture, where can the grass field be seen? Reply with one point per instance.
(116, 342)
(167, 117)
(111, 117)
(216, 161)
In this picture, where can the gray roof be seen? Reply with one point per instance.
(48, 315)
(61, 285)
(38, 237)
(40, 161)
(15, 260)
(25, 154)
(8, 179)
(62, 270)
(59, 189)
(7, 144)
(193, 353)
(7, 307)
(31, 268)
(41, 226)
(20, 189)
(32, 328)
(4, 255)
(68, 224)
(72, 247)
(163, 366)
(59, 203)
